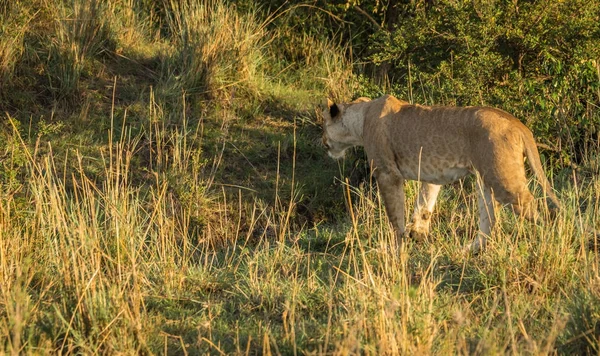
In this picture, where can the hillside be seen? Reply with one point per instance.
(164, 189)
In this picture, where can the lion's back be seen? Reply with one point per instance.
(443, 142)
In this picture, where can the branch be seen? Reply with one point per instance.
(368, 17)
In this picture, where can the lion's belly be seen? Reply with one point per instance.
(434, 172)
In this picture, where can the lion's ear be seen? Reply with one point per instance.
(331, 109)
(334, 110)
(327, 103)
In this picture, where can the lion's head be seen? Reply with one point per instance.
(337, 133)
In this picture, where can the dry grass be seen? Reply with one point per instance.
(149, 220)
(108, 267)
(14, 21)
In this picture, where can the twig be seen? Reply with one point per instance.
(547, 147)
(369, 17)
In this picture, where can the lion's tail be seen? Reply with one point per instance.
(536, 165)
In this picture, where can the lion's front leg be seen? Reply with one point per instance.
(391, 186)
(421, 219)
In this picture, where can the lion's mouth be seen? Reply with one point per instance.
(337, 155)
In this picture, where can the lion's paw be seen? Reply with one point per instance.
(418, 235)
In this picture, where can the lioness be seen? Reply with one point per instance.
(438, 145)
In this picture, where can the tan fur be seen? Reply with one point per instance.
(438, 145)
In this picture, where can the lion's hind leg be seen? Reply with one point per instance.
(518, 196)
(487, 216)
(525, 206)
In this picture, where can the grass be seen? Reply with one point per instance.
(113, 267)
(157, 206)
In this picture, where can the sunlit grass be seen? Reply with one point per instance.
(108, 267)
(181, 203)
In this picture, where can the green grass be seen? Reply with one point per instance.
(157, 204)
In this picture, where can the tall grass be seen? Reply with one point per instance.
(82, 31)
(158, 250)
(218, 49)
(14, 21)
(224, 54)
(93, 248)
(105, 266)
